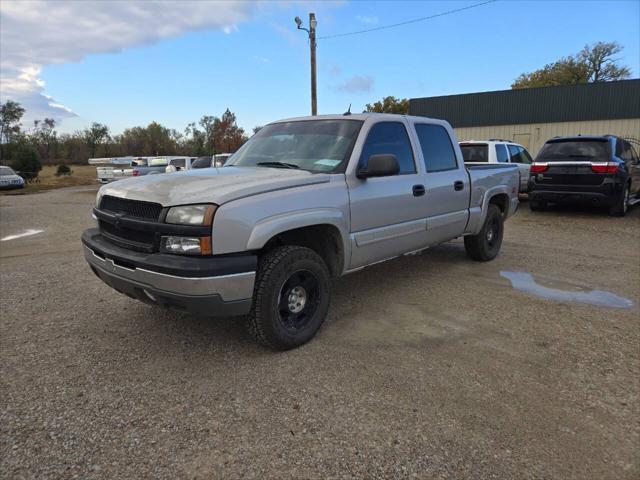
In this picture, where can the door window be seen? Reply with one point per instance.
(437, 149)
(501, 153)
(519, 155)
(386, 138)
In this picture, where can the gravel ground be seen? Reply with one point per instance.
(429, 366)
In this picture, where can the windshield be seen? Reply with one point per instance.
(312, 145)
(6, 171)
(475, 152)
(157, 162)
(574, 151)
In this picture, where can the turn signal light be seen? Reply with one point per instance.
(604, 167)
(539, 167)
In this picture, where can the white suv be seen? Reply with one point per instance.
(499, 151)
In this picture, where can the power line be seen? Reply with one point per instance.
(415, 20)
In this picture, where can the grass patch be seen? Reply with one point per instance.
(80, 175)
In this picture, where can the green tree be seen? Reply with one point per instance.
(44, 138)
(95, 136)
(594, 63)
(601, 64)
(389, 105)
(26, 161)
(10, 115)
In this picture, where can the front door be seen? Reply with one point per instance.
(387, 213)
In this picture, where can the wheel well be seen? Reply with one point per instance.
(325, 240)
(501, 200)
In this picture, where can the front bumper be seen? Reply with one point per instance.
(208, 286)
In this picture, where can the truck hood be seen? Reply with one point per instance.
(210, 185)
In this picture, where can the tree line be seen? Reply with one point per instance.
(208, 136)
(211, 135)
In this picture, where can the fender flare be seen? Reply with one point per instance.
(269, 227)
(486, 199)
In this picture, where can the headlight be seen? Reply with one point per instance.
(186, 245)
(191, 215)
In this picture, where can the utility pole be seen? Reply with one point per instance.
(312, 45)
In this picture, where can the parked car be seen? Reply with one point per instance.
(303, 200)
(499, 151)
(217, 161)
(156, 165)
(10, 179)
(600, 170)
(109, 169)
(203, 162)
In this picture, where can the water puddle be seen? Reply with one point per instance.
(570, 293)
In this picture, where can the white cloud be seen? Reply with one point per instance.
(368, 20)
(37, 33)
(356, 84)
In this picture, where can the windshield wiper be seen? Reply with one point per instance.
(278, 165)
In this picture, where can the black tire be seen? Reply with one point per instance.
(537, 205)
(290, 298)
(486, 244)
(619, 209)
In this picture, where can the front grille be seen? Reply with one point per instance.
(132, 208)
(128, 238)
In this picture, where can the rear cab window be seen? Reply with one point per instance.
(389, 138)
(436, 146)
(475, 152)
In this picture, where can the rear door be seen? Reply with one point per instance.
(521, 157)
(630, 157)
(447, 183)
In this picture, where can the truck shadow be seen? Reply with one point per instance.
(361, 311)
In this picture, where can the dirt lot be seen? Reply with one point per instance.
(47, 179)
(429, 366)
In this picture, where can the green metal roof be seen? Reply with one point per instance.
(566, 103)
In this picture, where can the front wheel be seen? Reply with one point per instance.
(291, 297)
(486, 244)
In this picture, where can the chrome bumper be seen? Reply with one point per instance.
(238, 286)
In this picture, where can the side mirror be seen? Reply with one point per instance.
(382, 165)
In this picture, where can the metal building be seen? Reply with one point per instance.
(530, 116)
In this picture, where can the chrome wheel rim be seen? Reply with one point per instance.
(298, 300)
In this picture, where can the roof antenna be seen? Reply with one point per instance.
(348, 112)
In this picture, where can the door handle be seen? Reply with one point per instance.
(418, 190)
(459, 185)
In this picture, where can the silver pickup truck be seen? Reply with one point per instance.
(303, 200)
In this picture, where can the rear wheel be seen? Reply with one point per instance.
(619, 209)
(485, 245)
(291, 297)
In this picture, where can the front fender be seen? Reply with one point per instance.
(269, 227)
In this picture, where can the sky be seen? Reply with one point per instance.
(127, 63)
